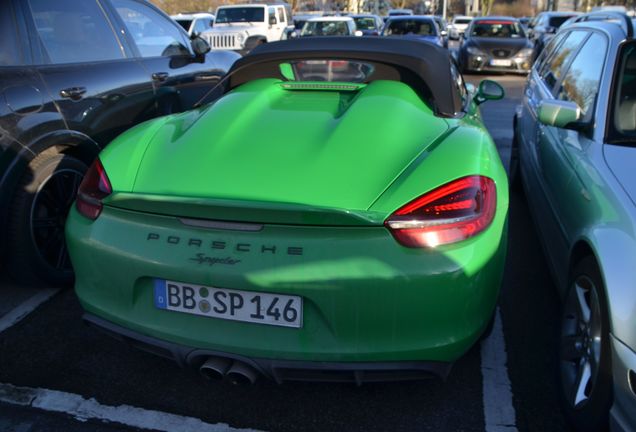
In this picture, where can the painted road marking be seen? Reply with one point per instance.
(14, 316)
(499, 414)
(89, 409)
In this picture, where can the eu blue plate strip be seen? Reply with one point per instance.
(160, 294)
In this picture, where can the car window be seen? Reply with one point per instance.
(365, 23)
(583, 78)
(10, 53)
(549, 48)
(201, 25)
(281, 15)
(240, 14)
(496, 29)
(410, 26)
(272, 14)
(72, 31)
(325, 28)
(458, 82)
(553, 68)
(154, 35)
(185, 23)
(623, 111)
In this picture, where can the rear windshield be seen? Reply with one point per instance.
(558, 20)
(410, 26)
(239, 14)
(462, 21)
(327, 71)
(365, 23)
(325, 28)
(623, 121)
(497, 29)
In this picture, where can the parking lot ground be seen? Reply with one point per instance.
(51, 349)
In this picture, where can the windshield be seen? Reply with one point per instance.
(462, 21)
(185, 24)
(497, 29)
(365, 23)
(623, 123)
(240, 14)
(558, 20)
(410, 26)
(325, 28)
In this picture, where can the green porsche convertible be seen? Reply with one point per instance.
(337, 212)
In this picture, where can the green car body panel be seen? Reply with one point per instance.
(318, 172)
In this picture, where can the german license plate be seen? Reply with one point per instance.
(247, 306)
(499, 62)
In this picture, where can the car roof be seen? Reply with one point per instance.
(193, 15)
(610, 21)
(495, 18)
(425, 67)
(412, 17)
(330, 18)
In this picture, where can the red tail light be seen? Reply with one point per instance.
(453, 212)
(93, 189)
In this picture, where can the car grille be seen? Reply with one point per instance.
(501, 53)
(224, 41)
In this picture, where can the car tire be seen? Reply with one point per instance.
(37, 215)
(585, 374)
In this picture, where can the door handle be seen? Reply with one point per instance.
(74, 93)
(160, 76)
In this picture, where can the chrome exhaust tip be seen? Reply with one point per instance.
(241, 374)
(215, 368)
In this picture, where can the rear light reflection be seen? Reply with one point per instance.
(451, 213)
(93, 189)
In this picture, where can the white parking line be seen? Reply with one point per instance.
(499, 414)
(89, 409)
(14, 316)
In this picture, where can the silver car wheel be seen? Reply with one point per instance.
(581, 338)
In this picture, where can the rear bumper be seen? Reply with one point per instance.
(623, 412)
(279, 370)
(365, 297)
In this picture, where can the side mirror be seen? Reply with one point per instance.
(272, 21)
(488, 90)
(358, 33)
(294, 34)
(200, 46)
(559, 113)
(444, 33)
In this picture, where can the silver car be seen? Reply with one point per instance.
(574, 152)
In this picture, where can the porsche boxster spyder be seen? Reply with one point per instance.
(337, 212)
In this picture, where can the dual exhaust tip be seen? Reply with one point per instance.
(236, 372)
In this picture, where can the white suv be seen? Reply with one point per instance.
(243, 27)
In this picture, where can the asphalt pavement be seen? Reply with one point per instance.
(51, 349)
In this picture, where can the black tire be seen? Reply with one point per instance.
(35, 231)
(585, 374)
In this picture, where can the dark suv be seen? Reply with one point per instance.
(73, 75)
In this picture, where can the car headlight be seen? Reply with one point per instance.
(240, 38)
(475, 51)
(526, 52)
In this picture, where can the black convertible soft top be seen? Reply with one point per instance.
(423, 66)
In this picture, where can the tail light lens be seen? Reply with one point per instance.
(93, 189)
(451, 213)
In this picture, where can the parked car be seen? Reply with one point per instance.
(417, 27)
(194, 23)
(64, 96)
(443, 28)
(330, 26)
(369, 25)
(241, 27)
(495, 44)
(545, 26)
(575, 149)
(220, 239)
(458, 26)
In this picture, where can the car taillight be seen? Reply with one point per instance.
(453, 212)
(93, 189)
